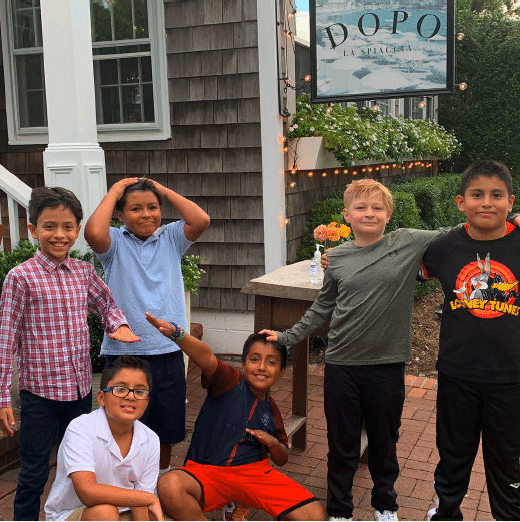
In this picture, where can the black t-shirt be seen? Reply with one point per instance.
(480, 329)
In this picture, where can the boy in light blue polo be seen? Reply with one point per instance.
(142, 263)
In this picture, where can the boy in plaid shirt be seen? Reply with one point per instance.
(43, 318)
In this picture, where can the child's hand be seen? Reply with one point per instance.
(160, 188)
(124, 334)
(155, 510)
(118, 188)
(271, 335)
(7, 421)
(325, 260)
(163, 326)
(263, 437)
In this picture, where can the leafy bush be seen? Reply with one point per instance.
(351, 135)
(406, 213)
(435, 199)
(485, 116)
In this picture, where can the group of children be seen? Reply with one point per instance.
(113, 463)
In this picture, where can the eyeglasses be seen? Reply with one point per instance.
(123, 391)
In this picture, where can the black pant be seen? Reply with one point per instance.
(374, 394)
(40, 421)
(465, 410)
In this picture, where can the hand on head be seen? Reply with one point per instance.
(271, 335)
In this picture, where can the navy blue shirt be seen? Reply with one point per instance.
(220, 438)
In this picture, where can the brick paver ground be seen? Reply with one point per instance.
(416, 451)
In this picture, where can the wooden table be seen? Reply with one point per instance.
(281, 299)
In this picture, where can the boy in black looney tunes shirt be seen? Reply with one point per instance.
(479, 356)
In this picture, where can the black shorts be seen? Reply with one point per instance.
(166, 411)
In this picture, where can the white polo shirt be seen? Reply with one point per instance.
(88, 445)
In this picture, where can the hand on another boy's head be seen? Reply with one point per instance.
(124, 334)
(7, 421)
(271, 335)
(118, 188)
(163, 326)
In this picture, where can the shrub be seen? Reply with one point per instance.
(485, 116)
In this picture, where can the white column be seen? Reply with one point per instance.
(273, 179)
(73, 158)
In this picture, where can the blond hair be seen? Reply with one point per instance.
(364, 188)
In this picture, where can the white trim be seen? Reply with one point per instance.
(160, 130)
(273, 179)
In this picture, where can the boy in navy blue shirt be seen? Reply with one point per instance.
(237, 427)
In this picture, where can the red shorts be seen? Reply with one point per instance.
(258, 485)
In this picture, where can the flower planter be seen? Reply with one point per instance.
(311, 154)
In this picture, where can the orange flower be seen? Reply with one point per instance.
(344, 231)
(320, 233)
(334, 233)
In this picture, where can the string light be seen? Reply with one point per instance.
(422, 104)
(336, 171)
(462, 86)
(460, 37)
(323, 174)
(292, 184)
(293, 171)
(310, 174)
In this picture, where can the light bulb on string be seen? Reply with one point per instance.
(460, 37)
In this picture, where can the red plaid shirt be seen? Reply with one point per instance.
(43, 317)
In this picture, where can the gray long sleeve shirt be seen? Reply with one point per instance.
(369, 292)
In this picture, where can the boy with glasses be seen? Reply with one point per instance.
(108, 462)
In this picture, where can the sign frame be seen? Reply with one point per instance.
(446, 87)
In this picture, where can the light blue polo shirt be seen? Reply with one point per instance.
(145, 276)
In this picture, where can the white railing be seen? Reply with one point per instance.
(18, 194)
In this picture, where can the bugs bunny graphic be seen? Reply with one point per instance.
(479, 283)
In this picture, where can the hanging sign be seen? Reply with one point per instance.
(368, 49)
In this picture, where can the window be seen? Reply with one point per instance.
(129, 59)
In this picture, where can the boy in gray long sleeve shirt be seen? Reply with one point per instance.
(368, 289)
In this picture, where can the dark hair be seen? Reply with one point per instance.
(53, 197)
(121, 363)
(256, 337)
(488, 168)
(143, 185)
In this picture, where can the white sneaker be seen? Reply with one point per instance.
(228, 510)
(385, 515)
(340, 518)
(433, 510)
